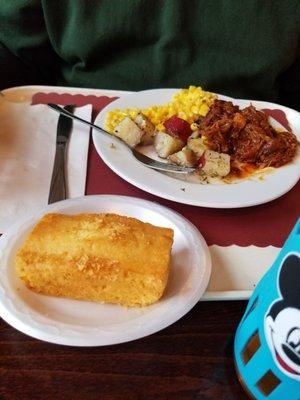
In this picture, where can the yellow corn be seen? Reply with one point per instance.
(188, 104)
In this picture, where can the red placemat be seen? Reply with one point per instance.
(263, 225)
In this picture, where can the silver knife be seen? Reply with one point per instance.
(58, 186)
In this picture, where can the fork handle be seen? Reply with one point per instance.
(66, 113)
(58, 181)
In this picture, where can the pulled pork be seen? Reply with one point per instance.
(246, 136)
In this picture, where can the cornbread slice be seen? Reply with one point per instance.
(97, 257)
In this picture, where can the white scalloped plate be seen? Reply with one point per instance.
(80, 323)
(255, 190)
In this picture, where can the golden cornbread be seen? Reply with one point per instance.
(188, 104)
(97, 257)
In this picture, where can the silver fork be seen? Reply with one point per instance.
(147, 161)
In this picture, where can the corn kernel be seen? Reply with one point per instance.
(160, 127)
(203, 110)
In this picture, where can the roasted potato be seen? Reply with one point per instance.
(197, 146)
(184, 157)
(166, 144)
(129, 132)
(215, 164)
(147, 127)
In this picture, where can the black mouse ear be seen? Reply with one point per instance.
(276, 308)
(289, 280)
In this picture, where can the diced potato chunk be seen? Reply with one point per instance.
(185, 158)
(197, 146)
(166, 144)
(216, 164)
(147, 127)
(129, 132)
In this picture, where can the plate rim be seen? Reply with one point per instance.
(179, 197)
(16, 321)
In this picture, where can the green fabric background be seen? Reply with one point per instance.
(247, 49)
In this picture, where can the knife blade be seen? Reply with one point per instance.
(58, 186)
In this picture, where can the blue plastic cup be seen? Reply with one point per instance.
(267, 341)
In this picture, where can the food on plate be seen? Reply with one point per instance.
(246, 136)
(129, 132)
(185, 157)
(140, 131)
(178, 127)
(197, 145)
(217, 137)
(96, 257)
(147, 128)
(215, 164)
(188, 104)
(166, 144)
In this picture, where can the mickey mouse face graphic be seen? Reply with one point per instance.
(282, 321)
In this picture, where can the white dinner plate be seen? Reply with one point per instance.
(80, 323)
(249, 192)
